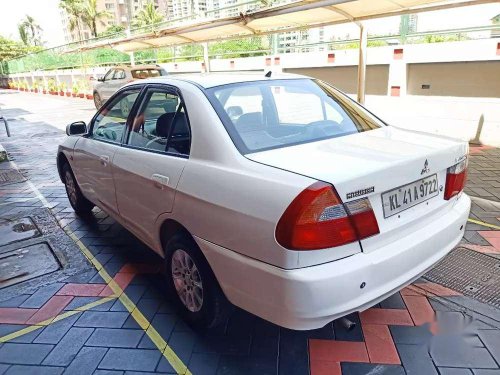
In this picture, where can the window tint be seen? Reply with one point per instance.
(119, 74)
(161, 124)
(147, 73)
(277, 113)
(111, 121)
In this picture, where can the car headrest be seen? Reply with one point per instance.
(234, 111)
(180, 124)
(250, 122)
(163, 124)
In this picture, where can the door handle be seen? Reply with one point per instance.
(160, 181)
(104, 159)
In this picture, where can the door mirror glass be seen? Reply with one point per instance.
(76, 128)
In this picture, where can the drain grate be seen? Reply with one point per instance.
(10, 177)
(17, 230)
(470, 273)
(26, 263)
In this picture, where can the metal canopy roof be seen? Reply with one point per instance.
(297, 15)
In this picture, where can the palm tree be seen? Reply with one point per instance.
(90, 15)
(148, 15)
(30, 32)
(74, 10)
(23, 34)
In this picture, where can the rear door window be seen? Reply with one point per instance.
(161, 123)
(147, 73)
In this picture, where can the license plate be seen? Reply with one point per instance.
(409, 195)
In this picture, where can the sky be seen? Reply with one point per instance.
(46, 13)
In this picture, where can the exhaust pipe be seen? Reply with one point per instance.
(349, 325)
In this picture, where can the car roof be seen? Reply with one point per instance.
(145, 66)
(207, 80)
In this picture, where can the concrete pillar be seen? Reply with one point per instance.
(363, 40)
(206, 59)
(132, 58)
(398, 71)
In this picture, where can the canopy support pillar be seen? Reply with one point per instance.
(363, 41)
(206, 59)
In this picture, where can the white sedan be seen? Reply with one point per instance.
(278, 194)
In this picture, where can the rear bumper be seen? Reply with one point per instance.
(309, 298)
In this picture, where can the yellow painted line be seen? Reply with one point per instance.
(139, 317)
(57, 318)
(484, 224)
(141, 320)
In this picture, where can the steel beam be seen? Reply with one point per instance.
(363, 43)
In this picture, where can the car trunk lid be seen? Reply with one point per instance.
(372, 164)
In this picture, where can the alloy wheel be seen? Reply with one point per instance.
(70, 187)
(187, 280)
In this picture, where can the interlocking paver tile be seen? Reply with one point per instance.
(411, 335)
(485, 372)
(41, 296)
(66, 350)
(454, 371)
(130, 359)
(453, 351)
(491, 339)
(24, 354)
(233, 365)
(86, 361)
(14, 301)
(117, 338)
(32, 370)
(108, 372)
(366, 368)
(53, 333)
(416, 360)
(102, 319)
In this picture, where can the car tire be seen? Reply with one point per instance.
(186, 271)
(97, 100)
(80, 204)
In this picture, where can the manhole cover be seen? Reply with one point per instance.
(17, 230)
(26, 263)
(10, 177)
(470, 273)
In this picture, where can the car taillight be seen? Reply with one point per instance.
(455, 179)
(317, 219)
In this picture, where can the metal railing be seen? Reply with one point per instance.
(56, 58)
(4, 120)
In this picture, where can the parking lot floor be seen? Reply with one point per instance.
(104, 309)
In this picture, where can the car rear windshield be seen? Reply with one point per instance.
(271, 114)
(148, 73)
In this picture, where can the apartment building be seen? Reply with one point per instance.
(121, 12)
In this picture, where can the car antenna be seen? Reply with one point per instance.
(268, 74)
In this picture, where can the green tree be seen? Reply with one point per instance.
(111, 30)
(30, 32)
(73, 9)
(238, 47)
(10, 49)
(91, 15)
(148, 15)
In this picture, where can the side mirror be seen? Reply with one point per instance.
(76, 128)
(100, 79)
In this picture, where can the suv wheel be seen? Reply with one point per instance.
(192, 284)
(80, 204)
